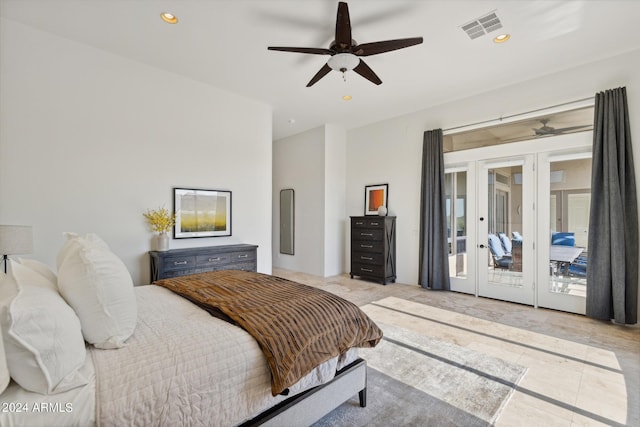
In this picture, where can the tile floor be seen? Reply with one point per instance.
(581, 372)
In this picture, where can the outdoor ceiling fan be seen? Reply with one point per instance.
(549, 130)
(345, 52)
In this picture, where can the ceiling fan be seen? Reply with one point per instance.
(549, 130)
(345, 52)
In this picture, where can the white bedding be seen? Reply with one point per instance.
(181, 367)
(76, 407)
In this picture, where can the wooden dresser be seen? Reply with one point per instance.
(373, 248)
(180, 262)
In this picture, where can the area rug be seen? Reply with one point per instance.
(418, 380)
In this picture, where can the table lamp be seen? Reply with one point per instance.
(15, 239)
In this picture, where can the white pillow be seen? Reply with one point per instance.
(42, 339)
(40, 268)
(97, 284)
(4, 371)
(74, 242)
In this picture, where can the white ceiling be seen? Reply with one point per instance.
(224, 43)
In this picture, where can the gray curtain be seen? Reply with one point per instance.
(612, 272)
(434, 263)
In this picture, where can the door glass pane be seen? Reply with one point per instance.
(505, 226)
(578, 206)
(456, 189)
(570, 183)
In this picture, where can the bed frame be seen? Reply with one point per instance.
(308, 407)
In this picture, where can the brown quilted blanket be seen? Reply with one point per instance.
(297, 326)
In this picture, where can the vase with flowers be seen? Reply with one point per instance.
(160, 221)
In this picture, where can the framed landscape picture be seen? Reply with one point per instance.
(374, 197)
(201, 213)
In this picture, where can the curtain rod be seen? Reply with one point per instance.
(511, 116)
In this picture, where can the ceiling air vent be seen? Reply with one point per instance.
(483, 25)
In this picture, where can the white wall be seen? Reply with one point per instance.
(335, 209)
(298, 163)
(89, 141)
(390, 151)
(313, 163)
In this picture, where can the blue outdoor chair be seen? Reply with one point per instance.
(506, 243)
(578, 269)
(563, 238)
(500, 257)
(516, 236)
(579, 266)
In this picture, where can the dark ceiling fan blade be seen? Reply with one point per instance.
(366, 72)
(570, 128)
(320, 74)
(368, 49)
(311, 50)
(343, 28)
(548, 130)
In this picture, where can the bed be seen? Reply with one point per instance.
(181, 365)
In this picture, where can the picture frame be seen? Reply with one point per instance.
(201, 213)
(374, 197)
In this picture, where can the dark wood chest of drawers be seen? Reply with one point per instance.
(180, 262)
(373, 248)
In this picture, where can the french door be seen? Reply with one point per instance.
(503, 211)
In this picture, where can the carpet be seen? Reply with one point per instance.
(418, 380)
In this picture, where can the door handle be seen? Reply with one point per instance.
(482, 246)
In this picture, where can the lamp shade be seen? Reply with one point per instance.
(15, 239)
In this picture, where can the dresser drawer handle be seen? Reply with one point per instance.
(214, 259)
(375, 223)
(243, 256)
(359, 223)
(366, 269)
(179, 262)
(366, 246)
(366, 234)
(368, 258)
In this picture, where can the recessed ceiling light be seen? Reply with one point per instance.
(291, 121)
(347, 98)
(501, 38)
(169, 18)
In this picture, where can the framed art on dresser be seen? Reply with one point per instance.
(201, 213)
(375, 196)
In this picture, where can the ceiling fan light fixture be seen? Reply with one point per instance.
(343, 62)
(169, 18)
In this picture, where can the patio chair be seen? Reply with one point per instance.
(563, 238)
(516, 236)
(579, 266)
(506, 243)
(500, 257)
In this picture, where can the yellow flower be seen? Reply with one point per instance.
(160, 220)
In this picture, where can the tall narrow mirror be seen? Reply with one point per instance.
(287, 220)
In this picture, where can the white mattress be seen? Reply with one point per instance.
(181, 366)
